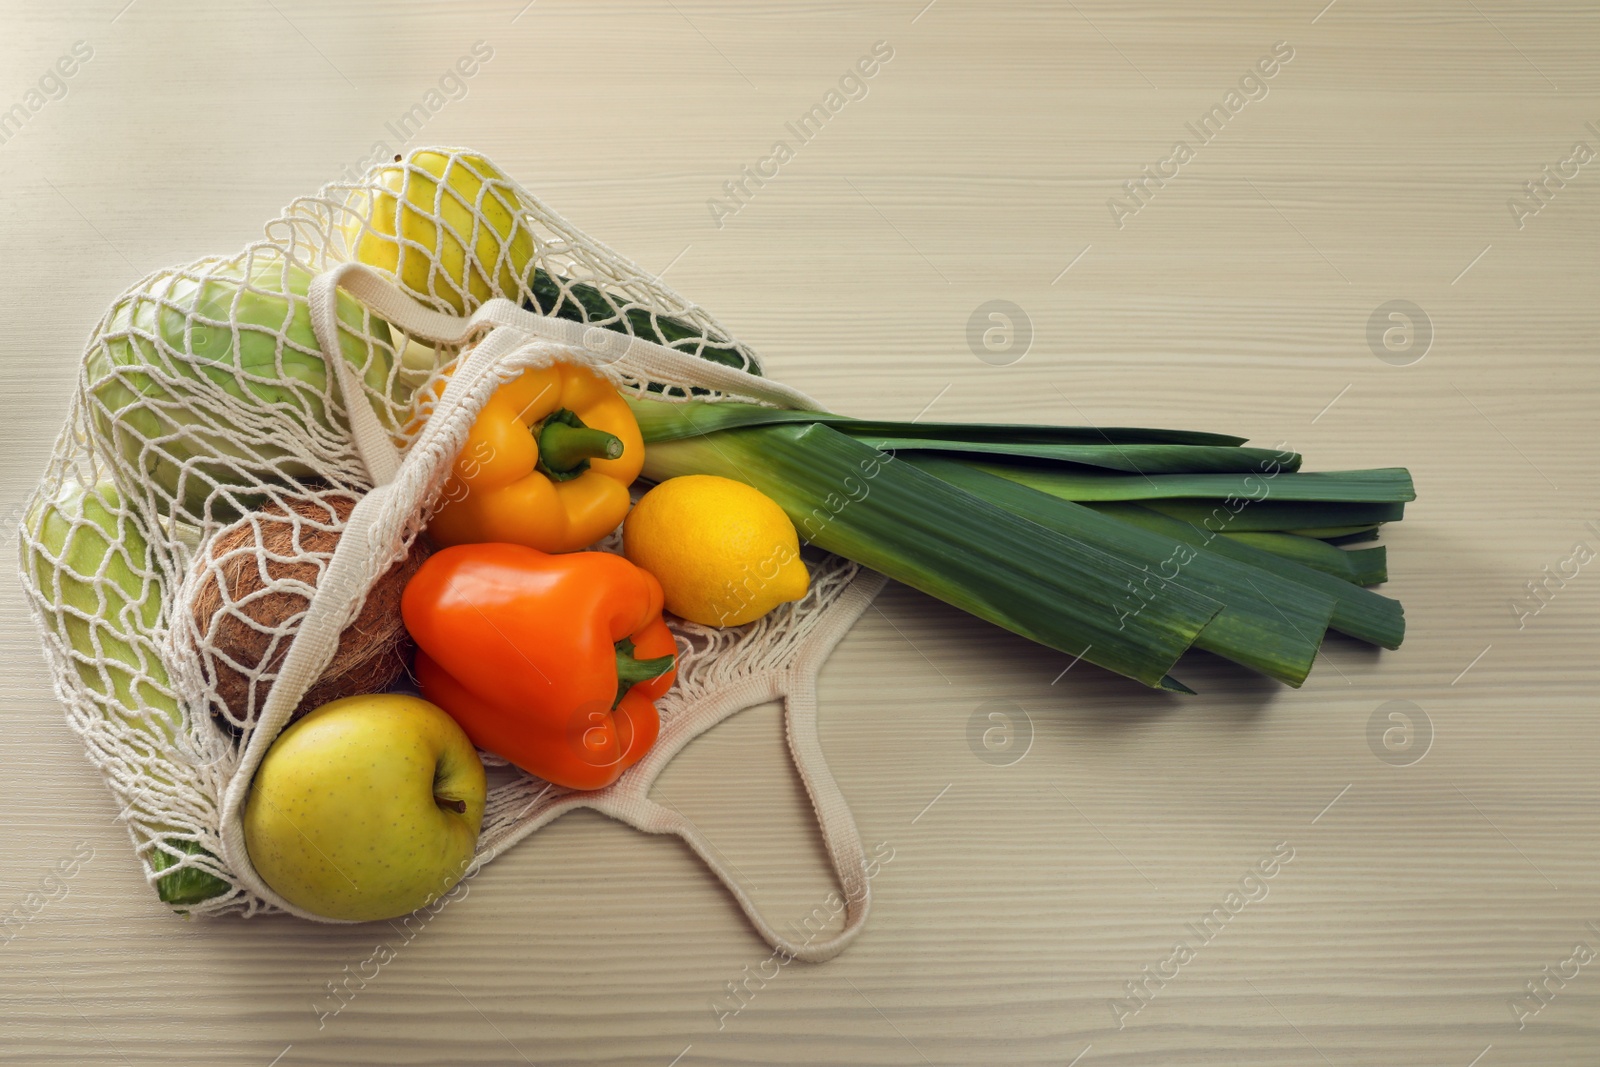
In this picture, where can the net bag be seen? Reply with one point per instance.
(314, 390)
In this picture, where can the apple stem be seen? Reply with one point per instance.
(459, 806)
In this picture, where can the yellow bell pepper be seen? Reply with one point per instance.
(547, 464)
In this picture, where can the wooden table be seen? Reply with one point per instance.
(984, 161)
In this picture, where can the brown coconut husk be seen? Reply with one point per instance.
(373, 651)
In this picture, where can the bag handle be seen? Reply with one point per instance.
(797, 686)
(840, 836)
(341, 589)
(594, 345)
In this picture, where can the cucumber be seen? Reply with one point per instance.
(582, 302)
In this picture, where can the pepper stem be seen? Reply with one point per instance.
(631, 671)
(566, 445)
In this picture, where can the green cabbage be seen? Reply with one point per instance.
(96, 576)
(173, 350)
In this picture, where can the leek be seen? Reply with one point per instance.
(1268, 622)
(1126, 547)
(1362, 566)
(1357, 612)
(1390, 485)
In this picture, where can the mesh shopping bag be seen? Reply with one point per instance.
(292, 413)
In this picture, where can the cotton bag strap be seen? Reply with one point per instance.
(594, 345)
(355, 564)
(400, 486)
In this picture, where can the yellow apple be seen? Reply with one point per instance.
(367, 808)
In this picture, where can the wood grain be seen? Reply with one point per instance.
(978, 166)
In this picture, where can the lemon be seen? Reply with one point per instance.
(422, 214)
(724, 553)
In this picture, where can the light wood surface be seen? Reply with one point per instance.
(1020, 899)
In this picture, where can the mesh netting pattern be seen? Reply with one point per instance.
(205, 398)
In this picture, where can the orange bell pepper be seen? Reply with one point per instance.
(550, 661)
(547, 464)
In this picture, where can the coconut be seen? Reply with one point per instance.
(253, 588)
